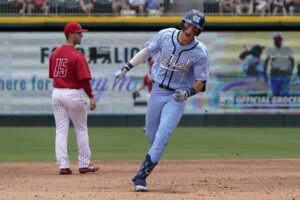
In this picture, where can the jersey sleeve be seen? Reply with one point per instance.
(50, 67)
(85, 84)
(154, 44)
(201, 68)
(82, 68)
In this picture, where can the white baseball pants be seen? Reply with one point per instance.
(69, 104)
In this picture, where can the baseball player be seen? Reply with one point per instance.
(147, 81)
(179, 72)
(282, 65)
(253, 64)
(71, 75)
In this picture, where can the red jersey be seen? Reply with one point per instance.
(148, 81)
(68, 67)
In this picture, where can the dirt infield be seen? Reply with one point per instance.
(171, 180)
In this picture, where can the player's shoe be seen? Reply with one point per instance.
(139, 184)
(88, 169)
(65, 171)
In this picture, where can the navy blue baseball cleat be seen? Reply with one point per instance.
(139, 184)
(139, 180)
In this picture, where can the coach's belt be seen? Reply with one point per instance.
(166, 87)
(67, 88)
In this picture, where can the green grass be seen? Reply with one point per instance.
(37, 144)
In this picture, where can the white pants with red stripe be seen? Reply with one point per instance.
(69, 104)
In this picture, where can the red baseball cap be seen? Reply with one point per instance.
(73, 27)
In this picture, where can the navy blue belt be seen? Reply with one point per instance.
(166, 87)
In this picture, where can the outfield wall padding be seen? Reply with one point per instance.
(206, 120)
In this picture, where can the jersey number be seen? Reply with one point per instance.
(60, 67)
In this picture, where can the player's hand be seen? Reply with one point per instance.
(135, 95)
(92, 104)
(180, 96)
(121, 73)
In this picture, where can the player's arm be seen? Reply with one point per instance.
(137, 59)
(182, 95)
(85, 84)
(50, 67)
(150, 48)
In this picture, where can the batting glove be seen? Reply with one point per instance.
(121, 73)
(180, 96)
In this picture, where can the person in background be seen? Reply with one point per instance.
(244, 7)
(279, 5)
(281, 60)
(253, 64)
(226, 6)
(138, 6)
(119, 5)
(87, 6)
(155, 7)
(262, 6)
(147, 82)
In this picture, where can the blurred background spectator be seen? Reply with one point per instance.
(293, 6)
(148, 7)
(18, 5)
(244, 7)
(29, 6)
(118, 5)
(42, 6)
(138, 6)
(226, 6)
(279, 6)
(70, 6)
(262, 6)
(155, 7)
(87, 6)
(37, 6)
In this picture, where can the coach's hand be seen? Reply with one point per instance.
(121, 73)
(92, 104)
(180, 95)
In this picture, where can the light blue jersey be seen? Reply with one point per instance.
(177, 66)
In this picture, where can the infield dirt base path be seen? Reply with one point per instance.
(170, 180)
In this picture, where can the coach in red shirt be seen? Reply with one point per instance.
(71, 76)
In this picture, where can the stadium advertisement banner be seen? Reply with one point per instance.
(239, 81)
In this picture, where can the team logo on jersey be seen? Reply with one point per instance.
(171, 63)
